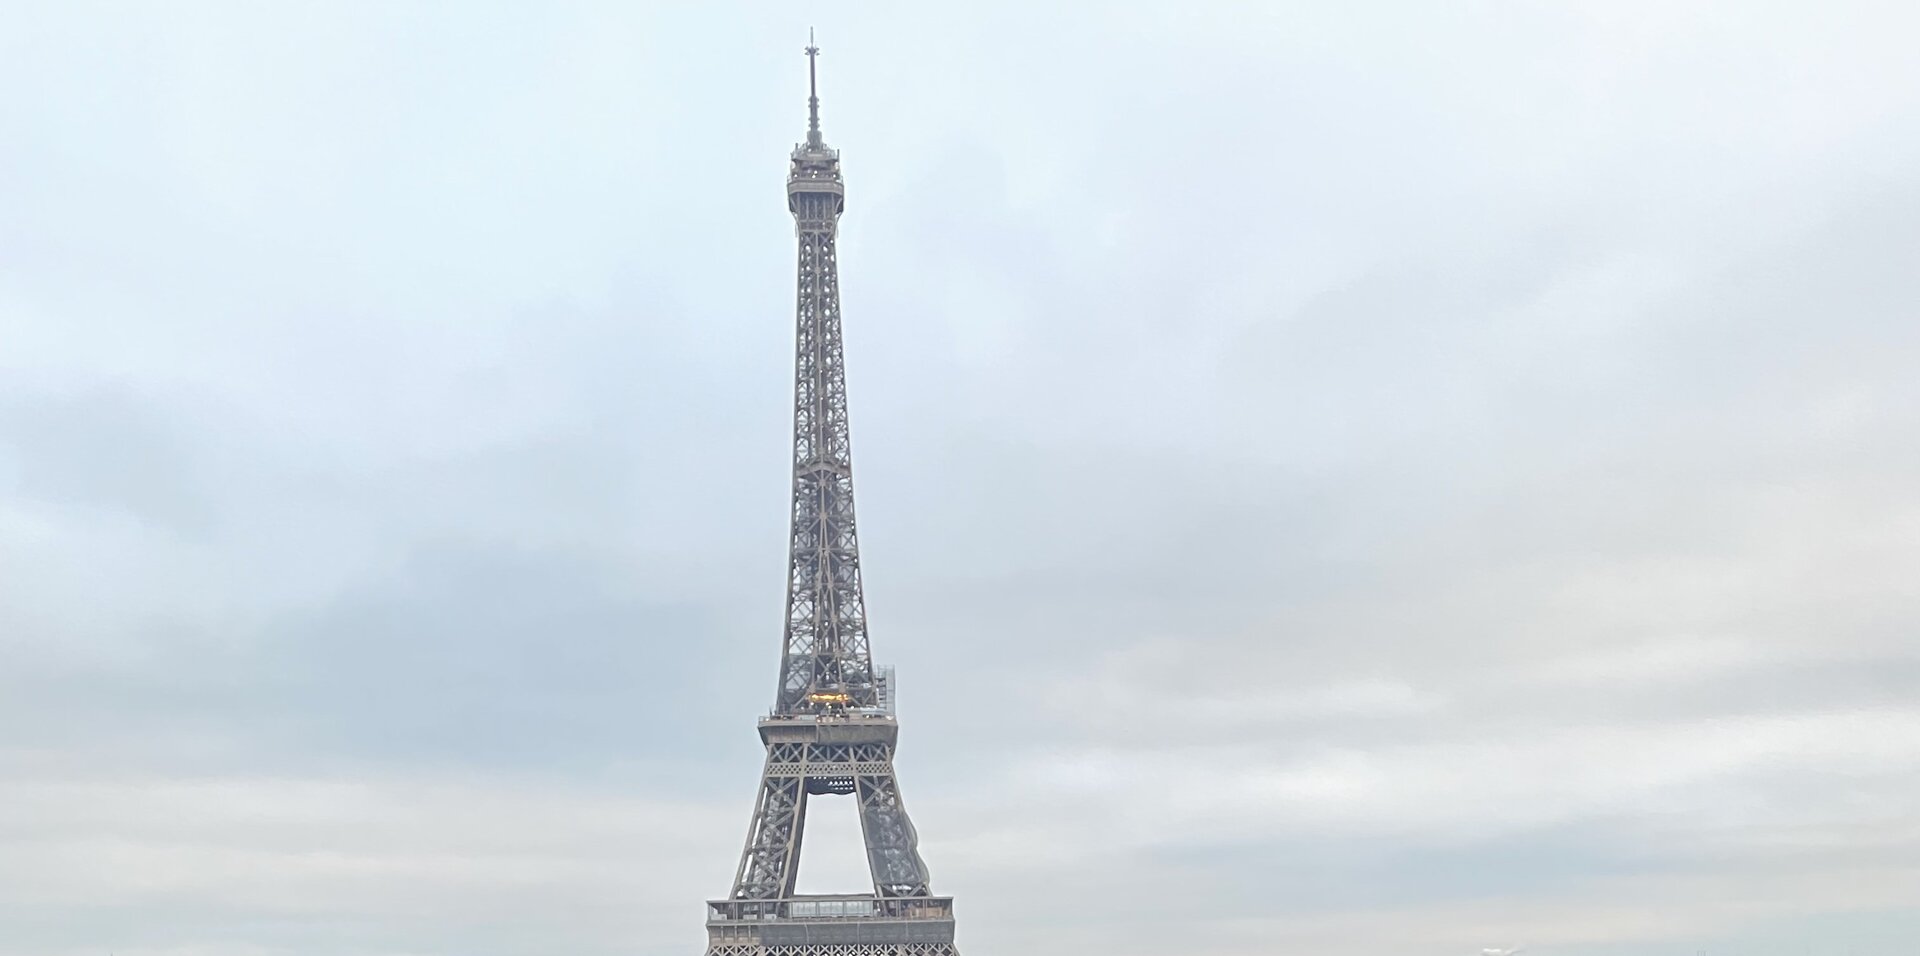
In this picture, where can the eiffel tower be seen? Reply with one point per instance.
(832, 729)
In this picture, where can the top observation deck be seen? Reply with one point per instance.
(816, 168)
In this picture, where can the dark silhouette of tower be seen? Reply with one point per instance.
(832, 729)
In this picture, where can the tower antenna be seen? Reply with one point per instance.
(813, 93)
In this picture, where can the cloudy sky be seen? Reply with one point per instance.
(1345, 479)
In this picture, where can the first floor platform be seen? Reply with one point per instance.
(849, 925)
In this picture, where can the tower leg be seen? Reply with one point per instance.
(763, 916)
(893, 846)
(770, 861)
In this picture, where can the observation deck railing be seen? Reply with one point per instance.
(832, 908)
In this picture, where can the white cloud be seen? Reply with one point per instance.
(437, 860)
(1366, 480)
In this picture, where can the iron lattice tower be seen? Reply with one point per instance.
(832, 728)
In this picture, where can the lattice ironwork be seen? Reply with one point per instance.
(825, 663)
(798, 769)
(831, 731)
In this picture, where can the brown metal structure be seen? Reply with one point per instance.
(832, 728)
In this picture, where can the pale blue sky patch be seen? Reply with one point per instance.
(1376, 480)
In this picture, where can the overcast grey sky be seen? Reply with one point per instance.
(1348, 479)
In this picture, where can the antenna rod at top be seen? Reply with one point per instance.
(813, 93)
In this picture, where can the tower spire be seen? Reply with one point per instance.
(813, 93)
